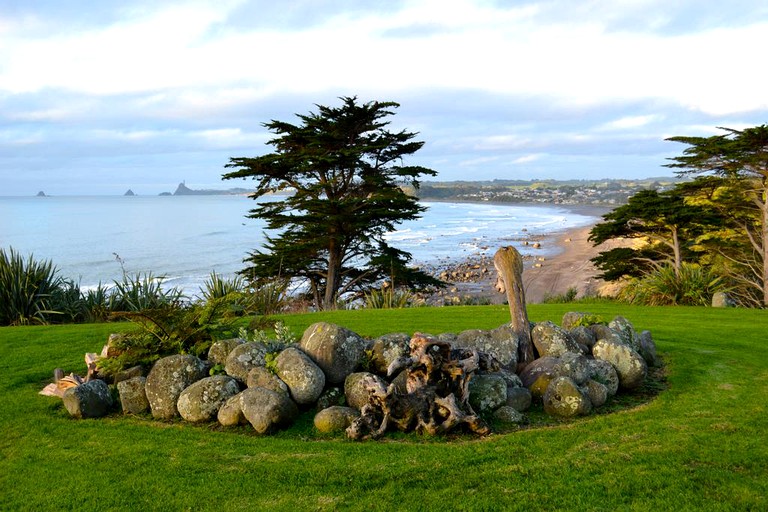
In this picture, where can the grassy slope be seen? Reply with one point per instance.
(699, 445)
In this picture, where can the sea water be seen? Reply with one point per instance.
(94, 239)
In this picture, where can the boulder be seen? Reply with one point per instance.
(231, 412)
(597, 392)
(201, 401)
(507, 414)
(551, 340)
(603, 332)
(501, 343)
(387, 349)
(629, 365)
(358, 387)
(574, 366)
(626, 332)
(487, 392)
(266, 410)
(519, 398)
(129, 373)
(91, 399)
(574, 319)
(336, 350)
(219, 351)
(722, 300)
(335, 419)
(583, 335)
(243, 358)
(330, 397)
(305, 380)
(537, 375)
(133, 398)
(565, 399)
(648, 349)
(604, 373)
(263, 378)
(167, 379)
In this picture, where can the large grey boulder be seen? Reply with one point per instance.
(335, 419)
(266, 410)
(603, 332)
(262, 378)
(604, 373)
(626, 332)
(231, 412)
(358, 388)
(583, 336)
(336, 350)
(565, 399)
(220, 350)
(629, 365)
(507, 414)
(597, 392)
(574, 366)
(551, 340)
(387, 349)
(487, 392)
(167, 379)
(722, 300)
(133, 398)
(501, 343)
(648, 349)
(538, 374)
(243, 358)
(201, 401)
(305, 380)
(519, 398)
(91, 399)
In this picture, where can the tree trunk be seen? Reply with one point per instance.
(676, 251)
(332, 277)
(764, 243)
(509, 265)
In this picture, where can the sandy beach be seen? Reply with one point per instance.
(568, 266)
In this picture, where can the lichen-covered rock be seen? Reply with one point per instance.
(565, 399)
(603, 332)
(133, 398)
(648, 349)
(537, 375)
(335, 419)
(129, 373)
(231, 412)
(574, 366)
(243, 358)
(507, 414)
(626, 332)
(487, 392)
(722, 300)
(91, 399)
(629, 365)
(401, 382)
(305, 380)
(501, 343)
(358, 388)
(604, 373)
(331, 396)
(220, 350)
(336, 350)
(263, 378)
(519, 398)
(167, 379)
(201, 401)
(266, 410)
(387, 349)
(551, 340)
(573, 319)
(597, 392)
(583, 335)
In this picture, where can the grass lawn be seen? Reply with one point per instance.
(699, 445)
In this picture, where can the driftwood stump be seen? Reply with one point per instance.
(509, 266)
(437, 393)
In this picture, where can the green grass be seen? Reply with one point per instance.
(699, 445)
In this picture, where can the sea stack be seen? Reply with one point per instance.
(129, 192)
(41, 194)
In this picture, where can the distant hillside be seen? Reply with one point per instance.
(184, 190)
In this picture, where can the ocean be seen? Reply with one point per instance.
(92, 239)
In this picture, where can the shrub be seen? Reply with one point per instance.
(388, 298)
(694, 286)
(140, 292)
(563, 298)
(269, 297)
(233, 292)
(26, 287)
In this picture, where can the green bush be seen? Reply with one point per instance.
(694, 286)
(388, 298)
(563, 298)
(140, 292)
(26, 287)
(270, 297)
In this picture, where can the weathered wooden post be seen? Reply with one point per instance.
(509, 266)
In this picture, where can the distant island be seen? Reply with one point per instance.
(41, 194)
(184, 190)
(129, 192)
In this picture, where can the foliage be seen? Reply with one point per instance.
(589, 319)
(26, 289)
(388, 298)
(283, 336)
(343, 170)
(142, 292)
(268, 296)
(693, 285)
(568, 296)
(231, 291)
(740, 157)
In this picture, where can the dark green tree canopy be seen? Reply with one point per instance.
(343, 172)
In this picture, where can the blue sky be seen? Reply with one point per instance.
(99, 97)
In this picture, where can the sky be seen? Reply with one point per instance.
(100, 97)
